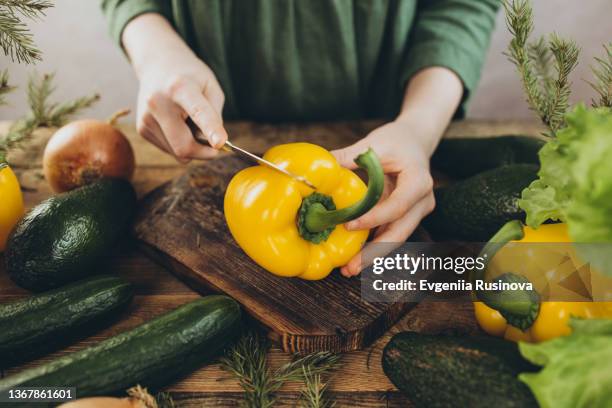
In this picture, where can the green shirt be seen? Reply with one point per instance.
(295, 60)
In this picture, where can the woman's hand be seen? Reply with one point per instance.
(404, 147)
(408, 194)
(174, 85)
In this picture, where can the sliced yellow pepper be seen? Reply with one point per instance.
(291, 230)
(551, 318)
(11, 207)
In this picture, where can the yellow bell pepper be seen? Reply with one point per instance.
(11, 208)
(532, 320)
(291, 230)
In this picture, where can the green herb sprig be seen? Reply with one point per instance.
(603, 79)
(247, 362)
(314, 394)
(15, 39)
(5, 87)
(43, 112)
(547, 89)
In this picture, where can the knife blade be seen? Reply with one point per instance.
(229, 146)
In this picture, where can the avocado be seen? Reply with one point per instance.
(457, 371)
(465, 157)
(475, 208)
(68, 236)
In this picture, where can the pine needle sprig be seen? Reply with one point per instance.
(314, 394)
(565, 54)
(28, 8)
(62, 112)
(16, 40)
(547, 93)
(540, 54)
(519, 20)
(43, 113)
(603, 79)
(247, 361)
(39, 92)
(5, 87)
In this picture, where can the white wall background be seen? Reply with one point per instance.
(77, 47)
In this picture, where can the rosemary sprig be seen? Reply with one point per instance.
(565, 54)
(547, 95)
(5, 87)
(43, 113)
(28, 8)
(541, 56)
(314, 394)
(247, 362)
(603, 79)
(15, 39)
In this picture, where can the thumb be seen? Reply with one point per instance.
(346, 156)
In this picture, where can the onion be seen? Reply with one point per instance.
(86, 150)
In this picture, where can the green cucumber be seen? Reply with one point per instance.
(457, 371)
(50, 320)
(69, 236)
(465, 157)
(152, 354)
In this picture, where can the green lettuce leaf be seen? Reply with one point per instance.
(575, 183)
(576, 369)
(540, 204)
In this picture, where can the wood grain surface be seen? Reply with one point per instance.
(359, 381)
(182, 226)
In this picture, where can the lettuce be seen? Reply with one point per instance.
(576, 369)
(575, 183)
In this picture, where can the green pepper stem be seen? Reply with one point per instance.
(511, 231)
(318, 218)
(507, 302)
(519, 308)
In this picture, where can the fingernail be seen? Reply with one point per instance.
(352, 225)
(214, 139)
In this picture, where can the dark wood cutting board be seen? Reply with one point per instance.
(181, 225)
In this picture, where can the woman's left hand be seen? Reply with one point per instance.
(404, 149)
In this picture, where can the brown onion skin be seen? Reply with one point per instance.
(84, 151)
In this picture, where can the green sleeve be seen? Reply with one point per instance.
(454, 34)
(120, 12)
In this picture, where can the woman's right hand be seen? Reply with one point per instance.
(174, 85)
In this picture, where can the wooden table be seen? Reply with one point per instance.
(359, 382)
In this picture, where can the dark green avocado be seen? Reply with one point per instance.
(464, 157)
(457, 371)
(69, 236)
(475, 208)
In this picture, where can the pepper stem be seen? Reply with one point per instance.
(318, 215)
(520, 307)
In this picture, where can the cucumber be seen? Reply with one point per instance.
(465, 157)
(476, 208)
(152, 354)
(45, 322)
(69, 236)
(457, 371)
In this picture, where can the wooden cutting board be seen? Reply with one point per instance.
(181, 225)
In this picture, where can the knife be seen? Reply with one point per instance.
(230, 147)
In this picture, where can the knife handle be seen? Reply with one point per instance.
(199, 137)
